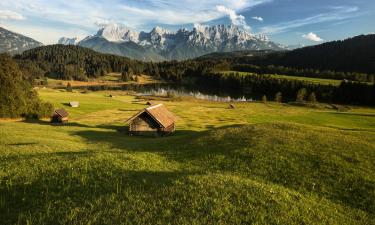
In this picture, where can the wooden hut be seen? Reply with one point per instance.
(231, 106)
(152, 121)
(59, 116)
(74, 104)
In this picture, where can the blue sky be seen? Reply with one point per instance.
(285, 21)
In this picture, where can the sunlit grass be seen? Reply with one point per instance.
(306, 79)
(258, 163)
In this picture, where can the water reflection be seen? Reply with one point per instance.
(176, 90)
(196, 94)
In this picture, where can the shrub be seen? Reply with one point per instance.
(301, 95)
(69, 87)
(278, 97)
(264, 99)
(312, 98)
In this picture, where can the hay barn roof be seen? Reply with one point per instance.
(159, 113)
(61, 112)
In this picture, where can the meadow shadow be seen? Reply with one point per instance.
(48, 123)
(36, 195)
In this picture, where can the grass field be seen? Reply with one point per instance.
(109, 79)
(306, 79)
(258, 163)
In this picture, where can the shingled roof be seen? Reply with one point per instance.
(159, 113)
(61, 112)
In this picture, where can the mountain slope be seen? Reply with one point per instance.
(14, 43)
(160, 44)
(355, 54)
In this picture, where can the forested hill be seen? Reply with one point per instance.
(72, 62)
(355, 54)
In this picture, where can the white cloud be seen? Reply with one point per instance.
(312, 37)
(103, 22)
(335, 14)
(257, 18)
(87, 15)
(10, 15)
(236, 19)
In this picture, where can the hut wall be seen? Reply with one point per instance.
(58, 119)
(144, 125)
(169, 129)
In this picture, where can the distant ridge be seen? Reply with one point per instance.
(356, 54)
(14, 43)
(160, 44)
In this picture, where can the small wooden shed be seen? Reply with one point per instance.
(74, 104)
(156, 120)
(59, 116)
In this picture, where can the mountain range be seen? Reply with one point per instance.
(14, 43)
(160, 44)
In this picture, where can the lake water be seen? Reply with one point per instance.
(166, 89)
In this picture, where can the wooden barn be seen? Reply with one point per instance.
(152, 121)
(59, 116)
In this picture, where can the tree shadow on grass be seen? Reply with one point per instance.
(23, 144)
(48, 123)
(52, 196)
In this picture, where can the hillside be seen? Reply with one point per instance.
(14, 43)
(72, 62)
(355, 54)
(258, 163)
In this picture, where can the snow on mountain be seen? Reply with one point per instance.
(14, 43)
(179, 45)
(118, 33)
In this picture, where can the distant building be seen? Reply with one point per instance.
(74, 104)
(152, 121)
(59, 116)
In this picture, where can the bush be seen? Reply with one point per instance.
(69, 87)
(44, 81)
(312, 98)
(264, 99)
(301, 95)
(278, 97)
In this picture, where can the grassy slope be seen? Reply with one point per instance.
(306, 79)
(109, 79)
(266, 164)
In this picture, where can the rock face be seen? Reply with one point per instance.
(14, 43)
(161, 44)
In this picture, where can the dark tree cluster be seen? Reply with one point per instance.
(293, 90)
(73, 63)
(17, 98)
(313, 73)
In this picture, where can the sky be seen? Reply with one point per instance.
(289, 22)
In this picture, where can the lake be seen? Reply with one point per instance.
(171, 89)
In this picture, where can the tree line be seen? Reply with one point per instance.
(348, 92)
(72, 63)
(17, 98)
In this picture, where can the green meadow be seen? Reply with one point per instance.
(306, 79)
(255, 164)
